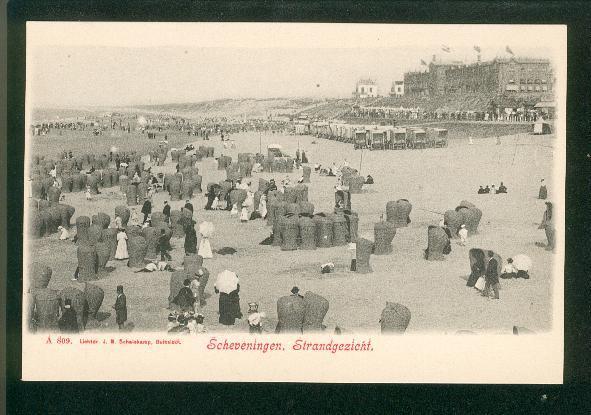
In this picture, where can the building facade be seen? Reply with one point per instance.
(366, 88)
(397, 89)
(519, 78)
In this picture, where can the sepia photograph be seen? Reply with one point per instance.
(287, 189)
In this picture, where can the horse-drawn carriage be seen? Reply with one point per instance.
(440, 137)
(378, 138)
(360, 138)
(416, 138)
(398, 140)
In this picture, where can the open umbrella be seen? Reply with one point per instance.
(522, 262)
(226, 282)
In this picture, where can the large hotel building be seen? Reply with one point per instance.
(523, 78)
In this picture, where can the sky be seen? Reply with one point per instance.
(85, 64)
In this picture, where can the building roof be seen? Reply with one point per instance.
(366, 82)
(521, 60)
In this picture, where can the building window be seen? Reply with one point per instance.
(523, 87)
(511, 81)
(530, 88)
(537, 81)
(543, 81)
(370, 89)
(522, 81)
(529, 81)
(544, 88)
(537, 87)
(362, 90)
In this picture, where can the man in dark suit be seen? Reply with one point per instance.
(166, 212)
(188, 206)
(163, 245)
(491, 277)
(120, 307)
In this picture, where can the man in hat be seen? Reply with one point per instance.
(163, 246)
(120, 308)
(188, 205)
(166, 212)
(295, 291)
(68, 323)
(491, 278)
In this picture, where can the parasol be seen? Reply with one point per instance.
(206, 229)
(226, 282)
(522, 262)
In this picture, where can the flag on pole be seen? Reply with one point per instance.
(477, 49)
(508, 49)
(423, 62)
(445, 48)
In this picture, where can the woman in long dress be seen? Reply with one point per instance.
(205, 229)
(263, 206)
(228, 286)
(121, 252)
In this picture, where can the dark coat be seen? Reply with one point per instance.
(166, 211)
(190, 241)
(184, 299)
(68, 323)
(189, 206)
(229, 307)
(147, 208)
(491, 274)
(121, 309)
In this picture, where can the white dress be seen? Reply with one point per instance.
(263, 208)
(121, 252)
(205, 248)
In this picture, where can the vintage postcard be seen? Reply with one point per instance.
(294, 202)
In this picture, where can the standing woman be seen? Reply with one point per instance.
(190, 240)
(206, 230)
(146, 210)
(121, 252)
(228, 286)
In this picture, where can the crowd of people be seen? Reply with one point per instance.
(492, 189)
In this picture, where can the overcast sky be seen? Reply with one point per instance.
(80, 64)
